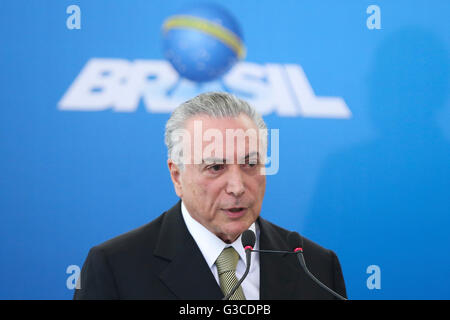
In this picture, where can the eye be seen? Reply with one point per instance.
(216, 167)
(251, 163)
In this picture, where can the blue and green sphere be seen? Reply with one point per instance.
(202, 42)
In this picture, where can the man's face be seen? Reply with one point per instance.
(225, 191)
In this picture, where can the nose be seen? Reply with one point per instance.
(235, 183)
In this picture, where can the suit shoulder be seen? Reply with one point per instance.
(134, 239)
(274, 230)
(314, 246)
(310, 247)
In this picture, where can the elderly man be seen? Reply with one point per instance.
(194, 250)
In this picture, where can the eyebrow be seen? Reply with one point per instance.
(221, 161)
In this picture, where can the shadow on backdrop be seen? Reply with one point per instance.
(387, 202)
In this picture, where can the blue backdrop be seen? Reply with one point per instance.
(369, 180)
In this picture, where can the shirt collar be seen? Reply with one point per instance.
(209, 244)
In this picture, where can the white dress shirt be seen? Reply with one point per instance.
(211, 246)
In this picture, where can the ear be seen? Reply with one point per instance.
(175, 175)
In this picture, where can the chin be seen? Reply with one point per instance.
(235, 229)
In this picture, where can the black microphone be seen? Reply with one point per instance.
(295, 241)
(248, 240)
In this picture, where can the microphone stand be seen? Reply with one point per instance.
(301, 259)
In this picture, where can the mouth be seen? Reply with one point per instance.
(235, 212)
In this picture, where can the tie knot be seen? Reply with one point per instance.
(227, 260)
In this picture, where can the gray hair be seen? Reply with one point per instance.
(213, 104)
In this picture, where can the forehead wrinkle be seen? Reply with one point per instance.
(210, 160)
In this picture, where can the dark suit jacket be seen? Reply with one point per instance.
(161, 260)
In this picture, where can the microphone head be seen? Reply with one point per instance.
(248, 239)
(295, 241)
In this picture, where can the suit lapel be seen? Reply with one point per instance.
(187, 274)
(278, 272)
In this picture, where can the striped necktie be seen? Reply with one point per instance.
(226, 265)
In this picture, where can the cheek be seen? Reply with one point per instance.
(260, 184)
(202, 184)
(201, 190)
(211, 191)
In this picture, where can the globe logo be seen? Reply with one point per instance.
(203, 42)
